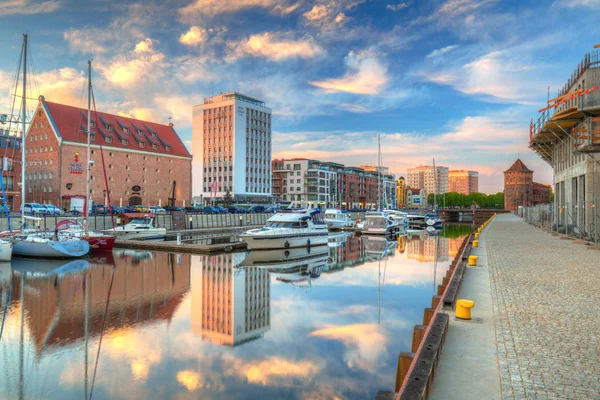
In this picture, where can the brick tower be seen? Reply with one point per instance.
(518, 186)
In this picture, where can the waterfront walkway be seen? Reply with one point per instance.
(545, 297)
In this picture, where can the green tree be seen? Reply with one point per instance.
(227, 199)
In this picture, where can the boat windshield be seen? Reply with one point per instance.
(376, 222)
(277, 224)
(140, 221)
(333, 216)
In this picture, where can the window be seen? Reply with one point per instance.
(108, 139)
(140, 132)
(124, 141)
(125, 130)
(154, 146)
(108, 127)
(92, 124)
(142, 144)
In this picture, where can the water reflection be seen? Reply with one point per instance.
(298, 323)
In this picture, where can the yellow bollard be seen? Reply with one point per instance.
(473, 261)
(475, 243)
(477, 236)
(463, 308)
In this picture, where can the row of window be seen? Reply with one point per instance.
(44, 149)
(39, 175)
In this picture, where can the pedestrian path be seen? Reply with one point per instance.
(546, 305)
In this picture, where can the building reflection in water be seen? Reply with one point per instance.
(146, 287)
(345, 250)
(230, 305)
(424, 248)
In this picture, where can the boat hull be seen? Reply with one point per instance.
(101, 243)
(339, 224)
(6, 250)
(266, 242)
(154, 234)
(51, 249)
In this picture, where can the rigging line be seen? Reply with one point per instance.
(112, 279)
(112, 218)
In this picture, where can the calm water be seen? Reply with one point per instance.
(147, 325)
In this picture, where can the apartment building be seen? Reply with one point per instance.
(231, 142)
(464, 182)
(423, 177)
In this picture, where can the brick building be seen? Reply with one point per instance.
(521, 190)
(10, 164)
(464, 182)
(143, 160)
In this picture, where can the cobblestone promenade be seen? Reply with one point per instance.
(546, 300)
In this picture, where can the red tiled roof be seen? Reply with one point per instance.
(518, 166)
(71, 122)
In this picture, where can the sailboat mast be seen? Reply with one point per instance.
(23, 141)
(89, 133)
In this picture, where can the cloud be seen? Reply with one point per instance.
(14, 7)
(190, 379)
(274, 46)
(577, 3)
(63, 85)
(364, 342)
(210, 8)
(275, 371)
(440, 52)
(396, 7)
(88, 40)
(366, 75)
(145, 46)
(194, 36)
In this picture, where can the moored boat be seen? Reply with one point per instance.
(288, 229)
(338, 219)
(139, 228)
(97, 241)
(379, 223)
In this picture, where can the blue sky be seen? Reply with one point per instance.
(458, 80)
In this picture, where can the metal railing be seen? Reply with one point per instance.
(580, 220)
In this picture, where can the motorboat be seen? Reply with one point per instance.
(288, 229)
(139, 228)
(416, 220)
(6, 250)
(338, 219)
(399, 216)
(46, 245)
(379, 223)
(97, 241)
(433, 220)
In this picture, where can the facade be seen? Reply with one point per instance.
(10, 165)
(567, 137)
(401, 192)
(144, 162)
(329, 184)
(231, 142)
(423, 178)
(416, 198)
(464, 182)
(541, 193)
(229, 306)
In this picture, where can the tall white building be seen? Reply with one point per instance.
(231, 146)
(423, 178)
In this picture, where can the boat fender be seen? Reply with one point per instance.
(286, 253)
(287, 244)
(308, 242)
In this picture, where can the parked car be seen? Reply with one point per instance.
(141, 209)
(174, 208)
(34, 209)
(257, 209)
(272, 209)
(221, 210)
(99, 209)
(117, 209)
(157, 210)
(209, 210)
(52, 209)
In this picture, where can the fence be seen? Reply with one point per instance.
(577, 219)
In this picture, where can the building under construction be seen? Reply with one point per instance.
(567, 136)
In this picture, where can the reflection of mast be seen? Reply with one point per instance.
(435, 260)
(381, 283)
(86, 329)
(21, 355)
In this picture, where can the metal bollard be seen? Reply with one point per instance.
(241, 220)
(463, 308)
(473, 261)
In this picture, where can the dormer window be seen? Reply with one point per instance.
(140, 132)
(154, 146)
(93, 124)
(108, 139)
(153, 134)
(142, 144)
(92, 136)
(125, 130)
(108, 127)
(124, 141)
(168, 148)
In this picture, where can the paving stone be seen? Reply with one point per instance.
(546, 305)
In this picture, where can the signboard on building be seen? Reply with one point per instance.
(76, 167)
(416, 200)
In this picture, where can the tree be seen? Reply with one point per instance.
(228, 199)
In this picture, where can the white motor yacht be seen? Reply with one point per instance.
(140, 228)
(287, 229)
(379, 223)
(399, 216)
(338, 219)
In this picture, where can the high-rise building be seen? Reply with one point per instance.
(231, 143)
(464, 182)
(423, 178)
(401, 192)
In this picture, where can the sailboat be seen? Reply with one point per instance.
(30, 243)
(379, 222)
(96, 241)
(433, 219)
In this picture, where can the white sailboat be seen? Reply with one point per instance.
(30, 243)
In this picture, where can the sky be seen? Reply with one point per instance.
(458, 80)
